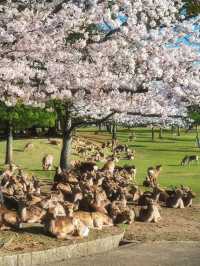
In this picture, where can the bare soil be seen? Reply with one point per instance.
(33, 239)
(176, 225)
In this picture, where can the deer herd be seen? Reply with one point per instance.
(87, 196)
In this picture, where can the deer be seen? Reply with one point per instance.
(176, 200)
(8, 218)
(152, 176)
(29, 146)
(63, 227)
(87, 166)
(109, 165)
(31, 213)
(47, 162)
(150, 212)
(188, 195)
(95, 220)
(120, 213)
(121, 148)
(188, 159)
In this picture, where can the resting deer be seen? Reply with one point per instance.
(87, 166)
(64, 227)
(93, 219)
(150, 213)
(120, 213)
(187, 196)
(31, 214)
(109, 165)
(175, 200)
(8, 218)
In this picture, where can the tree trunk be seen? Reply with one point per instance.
(178, 131)
(152, 134)
(9, 146)
(65, 157)
(197, 137)
(160, 133)
(114, 136)
(172, 130)
(108, 128)
(99, 126)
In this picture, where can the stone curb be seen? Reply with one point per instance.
(62, 253)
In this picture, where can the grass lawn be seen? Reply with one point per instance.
(167, 151)
(176, 224)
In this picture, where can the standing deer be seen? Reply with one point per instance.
(29, 146)
(47, 162)
(188, 159)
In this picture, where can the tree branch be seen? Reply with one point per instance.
(152, 115)
(78, 124)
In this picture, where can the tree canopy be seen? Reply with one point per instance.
(22, 117)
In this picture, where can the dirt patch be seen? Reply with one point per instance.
(176, 224)
(33, 239)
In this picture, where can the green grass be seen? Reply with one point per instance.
(167, 151)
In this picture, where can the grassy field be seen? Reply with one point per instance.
(167, 151)
(176, 224)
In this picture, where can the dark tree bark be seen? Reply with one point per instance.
(68, 129)
(65, 157)
(152, 134)
(178, 131)
(172, 130)
(9, 146)
(160, 133)
(114, 136)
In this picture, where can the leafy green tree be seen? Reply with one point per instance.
(22, 117)
(193, 7)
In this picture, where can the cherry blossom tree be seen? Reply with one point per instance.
(91, 59)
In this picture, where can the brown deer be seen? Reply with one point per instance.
(47, 162)
(152, 176)
(32, 214)
(176, 200)
(93, 219)
(188, 159)
(109, 165)
(87, 166)
(8, 218)
(64, 227)
(150, 213)
(188, 195)
(29, 146)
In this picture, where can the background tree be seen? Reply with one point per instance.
(93, 58)
(21, 117)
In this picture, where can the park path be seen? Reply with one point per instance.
(145, 254)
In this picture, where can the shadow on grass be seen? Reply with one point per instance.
(42, 171)
(137, 146)
(170, 150)
(18, 150)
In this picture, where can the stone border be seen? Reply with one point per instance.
(62, 253)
